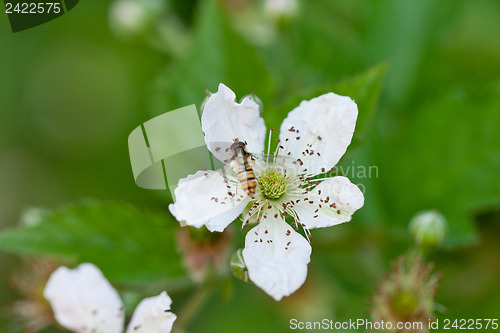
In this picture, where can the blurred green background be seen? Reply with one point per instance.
(425, 74)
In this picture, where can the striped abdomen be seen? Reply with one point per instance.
(246, 176)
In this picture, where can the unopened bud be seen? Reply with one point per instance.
(255, 99)
(207, 96)
(130, 19)
(202, 249)
(32, 311)
(428, 228)
(238, 266)
(33, 216)
(281, 8)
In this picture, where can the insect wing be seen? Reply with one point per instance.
(222, 151)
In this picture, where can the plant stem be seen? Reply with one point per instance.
(192, 306)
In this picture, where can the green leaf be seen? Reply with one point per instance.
(363, 88)
(128, 244)
(320, 44)
(218, 55)
(445, 158)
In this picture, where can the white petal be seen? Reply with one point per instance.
(276, 257)
(84, 301)
(327, 124)
(152, 315)
(339, 199)
(205, 199)
(223, 121)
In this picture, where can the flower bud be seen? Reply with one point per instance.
(207, 97)
(406, 295)
(281, 8)
(130, 19)
(33, 311)
(203, 249)
(255, 99)
(428, 228)
(33, 216)
(238, 266)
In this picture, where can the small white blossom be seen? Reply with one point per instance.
(83, 301)
(312, 140)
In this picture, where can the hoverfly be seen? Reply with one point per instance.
(244, 171)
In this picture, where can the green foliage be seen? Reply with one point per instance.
(428, 121)
(128, 244)
(218, 54)
(448, 159)
(363, 88)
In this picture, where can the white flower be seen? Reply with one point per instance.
(83, 301)
(312, 140)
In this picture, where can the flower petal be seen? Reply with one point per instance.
(206, 199)
(276, 257)
(318, 131)
(84, 301)
(152, 315)
(223, 121)
(339, 199)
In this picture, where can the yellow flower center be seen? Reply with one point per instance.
(273, 184)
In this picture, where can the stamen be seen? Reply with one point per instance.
(269, 142)
(276, 152)
(257, 208)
